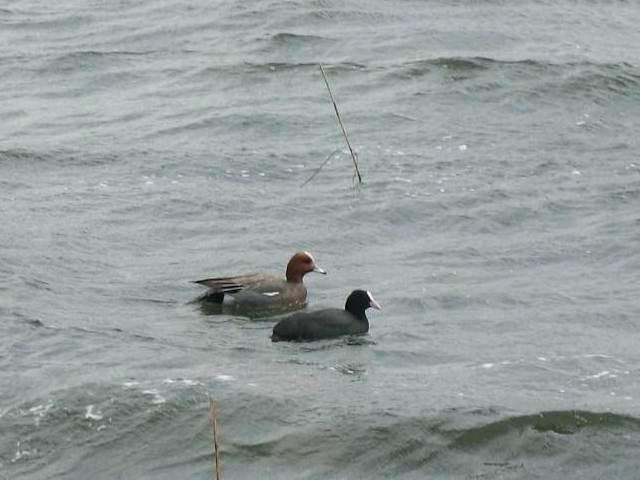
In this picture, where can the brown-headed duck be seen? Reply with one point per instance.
(329, 322)
(259, 291)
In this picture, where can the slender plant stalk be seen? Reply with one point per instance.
(344, 132)
(317, 170)
(213, 419)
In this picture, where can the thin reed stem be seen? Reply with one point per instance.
(213, 419)
(317, 170)
(344, 132)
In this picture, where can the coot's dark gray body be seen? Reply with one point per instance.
(328, 323)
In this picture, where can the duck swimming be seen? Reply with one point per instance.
(329, 322)
(263, 291)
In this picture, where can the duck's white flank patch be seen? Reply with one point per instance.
(271, 294)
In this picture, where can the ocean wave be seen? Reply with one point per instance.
(533, 77)
(289, 38)
(396, 447)
(487, 63)
(228, 75)
(563, 422)
(57, 157)
(114, 418)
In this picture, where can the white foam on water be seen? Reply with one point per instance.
(157, 398)
(22, 453)
(130, 384)
(183, 381)
(598, 375)
(191, 383)
(487, 365)
(91, 415)
(403, 180)
(224, 378)
(39, 411)
(597, 355)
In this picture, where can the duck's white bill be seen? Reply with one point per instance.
(319, 270)
(373, 303)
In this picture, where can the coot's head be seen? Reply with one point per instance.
(300, 264)
(359, 301)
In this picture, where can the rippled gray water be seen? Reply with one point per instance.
(146, 144)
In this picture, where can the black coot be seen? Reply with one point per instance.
(328, 323)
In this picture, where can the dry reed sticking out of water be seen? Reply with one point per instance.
(213, 419)
(344, 132)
